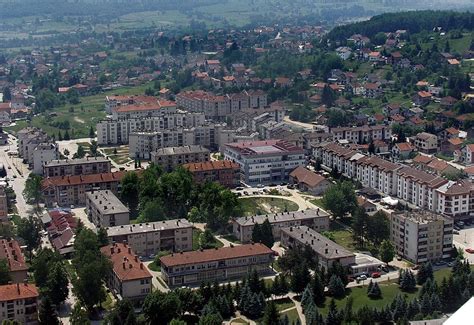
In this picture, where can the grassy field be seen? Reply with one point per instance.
(81, 117)
(341, 235)
(292, 314)
(318, 202)
(262, 205)
(282, 304)
(121, 157)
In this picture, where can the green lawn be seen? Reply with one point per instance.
(15, 219)
(341, 235)
(282, 304)
(196, 234)
(231, 238)
(154, 267)
(262, 205)
(318, 202)
(293, 316)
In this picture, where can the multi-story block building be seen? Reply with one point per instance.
(104, 209)
(143, 110)
(152, 237)
(362, 134)
(71, 190)
(220, 264)
(10, 251)
(3, 205)
(224, 172)
(265, 162)
(421, 236)
(171, 157)
(456, 199)
(316, 219)
(112, 102)
(327, 251)
(82, 166)
(19, 302)
(426, 142)
(129, 278)
(43, 153)
(28, 139)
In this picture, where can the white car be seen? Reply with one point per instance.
(361, 277)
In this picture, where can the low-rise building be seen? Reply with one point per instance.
(224, 172)
(71, 190)
(313, 218)
(129, 279)
(426, 142)
(220, 264)
(10, 251)
(327, 251)
(104, 209)
(421, 236)
(152, 237)
(19, 302)
(82, 166)
(265, 162)
(171, 157)
(309, 181)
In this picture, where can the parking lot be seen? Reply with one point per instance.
(465, 239)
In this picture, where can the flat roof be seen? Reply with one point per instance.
(180, 150)
(106, 202)
(282, 217)
(210, 255)
(80, 161)
(322, 245)
(148, 227)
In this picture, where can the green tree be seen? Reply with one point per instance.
(300, 278)
(44, 258)
(333, 317)
(262, 233)
(4, 272)
(317, 289)
(57, 284)
(122, 313)
(271, 315)
(93, 148)
(328, 96)
(102, 237)
(47, 314)
(7, 95)
(91, 132)
(206, 239)
(80, 152)
(374, 292)
(378, 227)
(336, 287)
(28, 229)
(211, 319)
(32, 191)
(79, 316)
(359, 225)
(425, 272)
(387, 251)
(161, 308)
(340, 199)
(129, 192)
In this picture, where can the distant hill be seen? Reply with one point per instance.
(413, 21)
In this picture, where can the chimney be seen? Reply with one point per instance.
(141, 266)
(111, 250)
(130, 266)
(325, 251)
(18, 288)
(291, 229)
(136, 258)
(312, 241)
(301, 236)
(123, 264)
(130, 250)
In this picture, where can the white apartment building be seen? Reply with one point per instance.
(152, 237)
(81, 166)
(44, 153)
(362, 134)
(104, 209)
(265, 162)
(143, 110)
(426, 142)
(421, 236)
(456, 199)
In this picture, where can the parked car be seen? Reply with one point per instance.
(470, 250)
(361, 277)
(375, 275)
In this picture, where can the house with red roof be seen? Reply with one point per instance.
(19, 302)
(308, 181)
(402, 150)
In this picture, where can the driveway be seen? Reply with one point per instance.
(80, 213)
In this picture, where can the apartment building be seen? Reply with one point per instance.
(327, 251)
(143, 110)
(11, 252)
(71, 190)
(313, 218)
(456, 199)
(426, 142)
(28, 139)
(3, 205)
(220, 264)
(104, 209)
(129, 278)
(421, 236)
(265, 162)
(81, 166)
(43, 153)
(117, 130)
(19, 302)
(150, 238)
(172, 157)
(224, 172)
(219, 107)
(362, 134)
(111, 102)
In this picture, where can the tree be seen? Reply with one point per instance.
(333, 318)
(67, 136)
(328, 96)
(374, 292)
(211, 319)
(378, 227)
(387, 251)
(340, 199)
(4, 272)
(32, 191)
(175, 321)
(129, 192)
(271, 315)
(57, 284)
(161, 308)
(41, 262)
(206, 239)
(425, 272)
(300, 278)
(79, 316)
(359, 224)
(102, 237)
(262, 233)
(307, 297)
(407, 281)
(336, 287)
(7, 95)
(91, 132)
(80, 152)
(317, 289)
(93, 148)
(28, 229)
(123, 313)
(47, 314)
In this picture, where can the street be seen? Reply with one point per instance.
(464, 240)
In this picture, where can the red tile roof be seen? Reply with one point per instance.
(307, 177)
(18, 291)
(83, 179)
(211, 165)
(10, 251)
(404, 146)
(126, 264)
(210, 255)
(145, 107)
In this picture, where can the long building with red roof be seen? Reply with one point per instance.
(10, 251)
(224, 172)
(19, 302)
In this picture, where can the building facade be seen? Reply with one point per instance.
(172, 157)
(82, 166)
(19, 302)
(10, 251)
(220, 264)
(150, 238)
(104, 209)
(224, 172)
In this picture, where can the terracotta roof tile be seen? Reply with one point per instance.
(18, 291)
(126, 264)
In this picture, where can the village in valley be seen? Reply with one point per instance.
(292, 173)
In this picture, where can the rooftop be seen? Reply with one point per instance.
(266, 147)
(106, 202)
(10, 251)
(210, 255)
(306, 176)
(83, 179)
(80, 161)
(211, 165)
(125, 263)
(148, 227)
(180, 150)
(18, 291)
(421, 216)
(282, 217)
(322, 245)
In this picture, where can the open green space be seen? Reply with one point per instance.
(282, 304)
(261, 205)
(293, 316)
(154, 267)
(341, 235)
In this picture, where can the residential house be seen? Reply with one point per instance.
(308, 181)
